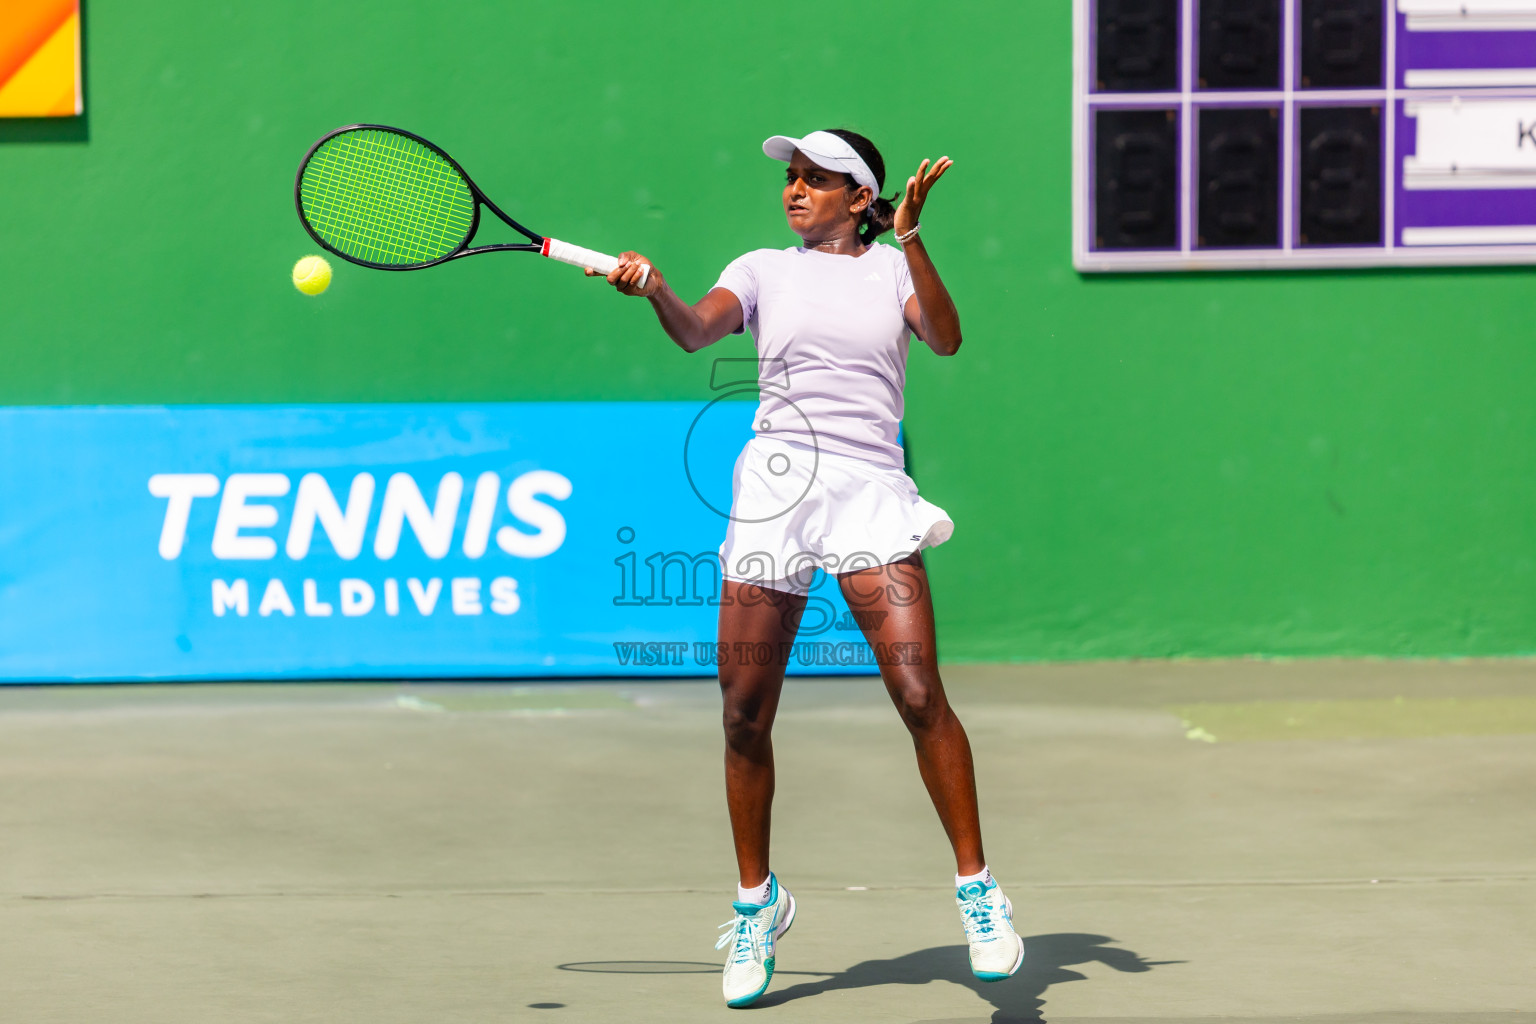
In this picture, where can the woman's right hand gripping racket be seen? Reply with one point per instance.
(384, 198)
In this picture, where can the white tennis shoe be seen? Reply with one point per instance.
(996, 949)
(753, 932)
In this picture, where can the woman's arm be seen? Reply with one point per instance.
(931, 313)
(691, 327)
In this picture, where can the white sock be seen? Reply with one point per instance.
(757, 894)
(981, 876)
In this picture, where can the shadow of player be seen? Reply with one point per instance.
(1016, 999)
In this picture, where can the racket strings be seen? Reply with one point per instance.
(395, 211)
(385, 199)
(336, 204)
(394, 198)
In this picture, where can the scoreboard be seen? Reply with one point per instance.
(1228, 134)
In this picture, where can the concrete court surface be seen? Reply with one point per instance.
(1320, 842)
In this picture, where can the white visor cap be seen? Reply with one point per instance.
(827, 151)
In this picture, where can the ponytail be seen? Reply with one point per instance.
(880, 215)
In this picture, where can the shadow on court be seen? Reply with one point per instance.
(1019, 999)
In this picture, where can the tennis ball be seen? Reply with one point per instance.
(312, 275)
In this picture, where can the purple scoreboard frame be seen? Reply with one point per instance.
(1458, 141)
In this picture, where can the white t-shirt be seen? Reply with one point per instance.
(837, 323)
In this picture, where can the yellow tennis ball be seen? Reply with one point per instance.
(312, 275)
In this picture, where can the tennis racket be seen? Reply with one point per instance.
(384, 198)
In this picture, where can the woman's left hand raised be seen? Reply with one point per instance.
(917, 192)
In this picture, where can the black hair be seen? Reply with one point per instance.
(880, 215)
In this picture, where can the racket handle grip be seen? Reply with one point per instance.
(576, 256)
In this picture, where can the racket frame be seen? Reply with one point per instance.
(536, 242)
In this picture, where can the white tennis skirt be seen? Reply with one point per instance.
(795, 509)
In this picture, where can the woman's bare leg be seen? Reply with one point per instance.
(756, 627)
(895, 610)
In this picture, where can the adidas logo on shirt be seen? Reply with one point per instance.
(872, 276)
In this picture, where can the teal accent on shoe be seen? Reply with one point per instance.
(737, 1004)
(990, 975)
(973, 889)
(970, 897)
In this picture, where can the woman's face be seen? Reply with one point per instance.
(817, 201)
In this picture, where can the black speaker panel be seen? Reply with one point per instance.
(1135, 179)
(1340, 175)
(1138, 45)
(1239, 177)
(1239, 44)
(1340, 43)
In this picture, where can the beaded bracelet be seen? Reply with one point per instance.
(904, 239)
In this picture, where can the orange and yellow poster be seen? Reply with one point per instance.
(40, 58)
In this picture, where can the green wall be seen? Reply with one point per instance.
(1282, 464)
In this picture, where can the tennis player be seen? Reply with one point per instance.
(822, 484)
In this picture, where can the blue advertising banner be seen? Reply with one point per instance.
(366, 541)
